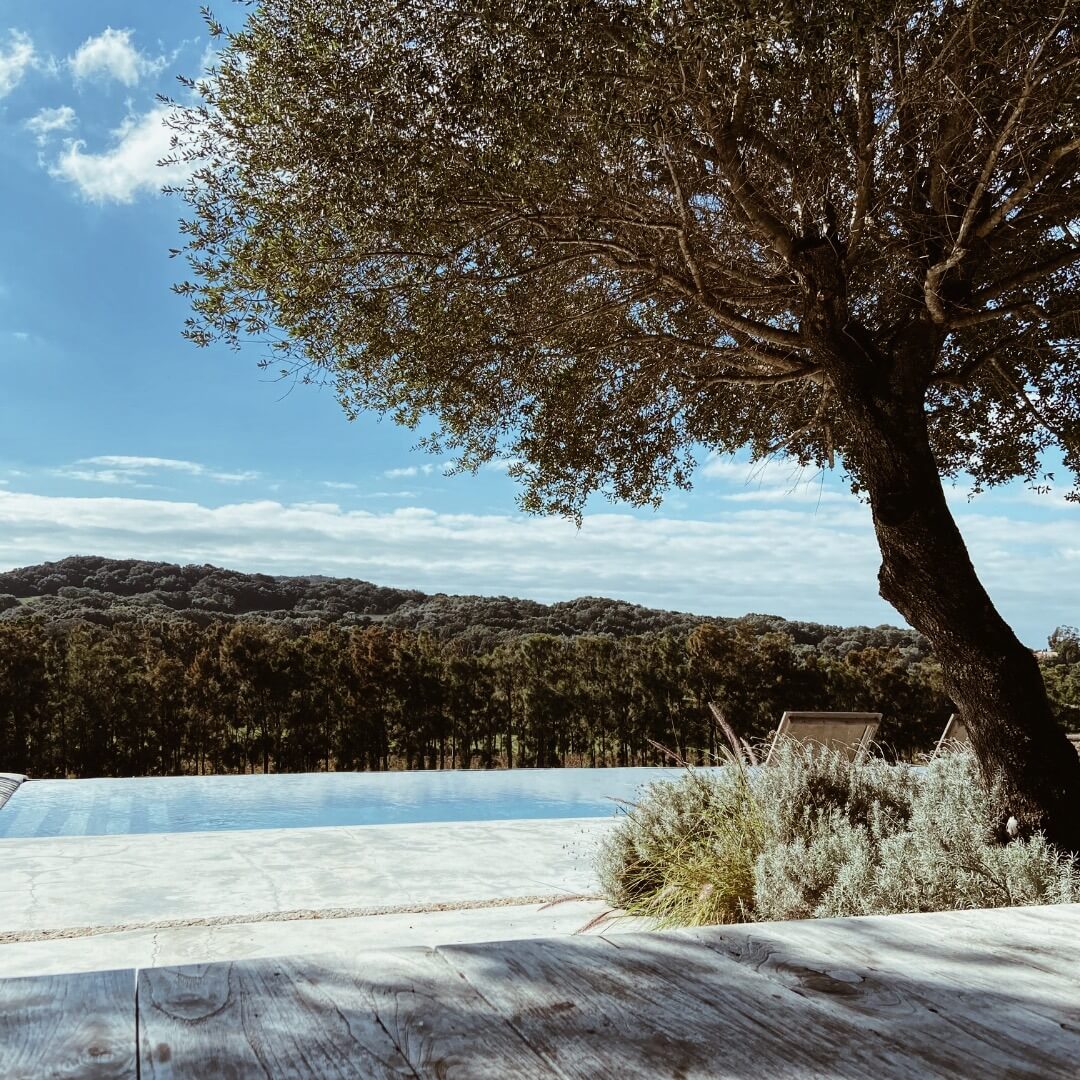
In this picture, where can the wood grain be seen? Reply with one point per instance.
(57, 1026)
(378, 1015)
(954, 994)
(961, 1005)
(657, 1005)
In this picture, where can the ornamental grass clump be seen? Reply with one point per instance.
(684, 855)
(816, 836)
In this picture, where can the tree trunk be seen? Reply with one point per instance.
(927, 575)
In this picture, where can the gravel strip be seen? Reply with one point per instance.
(11, 936)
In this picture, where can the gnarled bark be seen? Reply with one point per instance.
(927, 575)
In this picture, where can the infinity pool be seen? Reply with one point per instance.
(304, 800)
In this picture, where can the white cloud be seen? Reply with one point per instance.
(16, 59)
(337, 485)
(427, 469)
(128, 167)
(129, 469)
(747, 562)
(45, 122)
(793, 562)
(111, 55)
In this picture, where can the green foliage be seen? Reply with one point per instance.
(823, 838)
(106, 591)
(133, 696)
(684, 855)
(251, 672)
(591, 236)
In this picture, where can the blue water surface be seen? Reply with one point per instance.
(157, 804)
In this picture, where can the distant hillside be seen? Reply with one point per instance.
(88, 588)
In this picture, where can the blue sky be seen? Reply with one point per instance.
(119, 438)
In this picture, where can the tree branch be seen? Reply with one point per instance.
(978, 318)
(1028, 275)
(1029, 405)
(756, 352)
(864, 156)
(810, 371)
(620, 257)
(747, 198)
(936, 274)
(819, 412)
(996, 217)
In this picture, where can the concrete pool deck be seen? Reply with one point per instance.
(200, 944)
(101, 900)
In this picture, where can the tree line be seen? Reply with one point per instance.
(172, 697)
(93, 589)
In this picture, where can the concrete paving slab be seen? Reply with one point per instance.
(206, 944)
(81, 881)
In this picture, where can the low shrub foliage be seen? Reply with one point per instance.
(816, 836)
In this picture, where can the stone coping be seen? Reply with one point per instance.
(80, 882)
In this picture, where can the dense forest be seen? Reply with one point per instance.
(125, 668)
(92, 589)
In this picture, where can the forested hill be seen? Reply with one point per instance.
(86, 588)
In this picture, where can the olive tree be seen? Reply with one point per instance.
(601, 237)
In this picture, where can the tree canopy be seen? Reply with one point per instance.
(581, 235)
(597, 237)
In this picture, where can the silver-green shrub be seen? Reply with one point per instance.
(817, 836)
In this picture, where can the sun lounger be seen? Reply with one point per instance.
(954, 735)
(850, 732)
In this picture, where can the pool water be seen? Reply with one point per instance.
(109, 807)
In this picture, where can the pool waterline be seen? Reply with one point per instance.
(176, 804)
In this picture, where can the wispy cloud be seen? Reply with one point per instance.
(429, 468)
(338, 485)
(135, 470)
(111, 55)
(789, 561)
(47, 122)
(128, 167)
(502, 464)
(17, 57)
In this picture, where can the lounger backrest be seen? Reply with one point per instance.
(955, 734)
(849, 732)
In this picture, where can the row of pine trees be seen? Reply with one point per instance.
(140, 699)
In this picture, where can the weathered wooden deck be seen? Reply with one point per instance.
(982, 994)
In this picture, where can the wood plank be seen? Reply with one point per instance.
(1039, 946)
(661, 1005)
(958, 1005)
(395, 1014)
(58, 1026)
